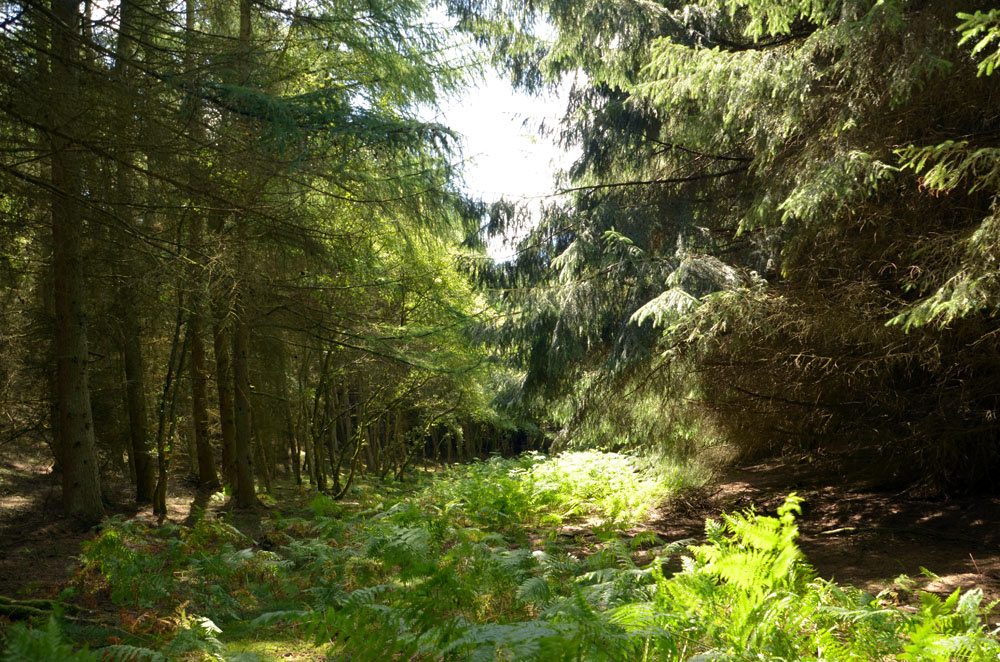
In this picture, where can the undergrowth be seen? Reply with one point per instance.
(534, 490)
(470, 565)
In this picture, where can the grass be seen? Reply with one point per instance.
(244, 640)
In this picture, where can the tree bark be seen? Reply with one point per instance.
(286, 413)
(131, 336)
(135, 398)
(317, 428)
(244, 494)
(207, 476)
(224, 387)
(81, 479)
(165, 417)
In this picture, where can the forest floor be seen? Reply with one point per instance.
(850, 532)
(853, 532)
(38, 545)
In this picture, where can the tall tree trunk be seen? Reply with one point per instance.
(199, 371)
(273, 401)
(224, 387)
(131, 338)
(207, 476)
(265, 469)
(264, 408)
(221, 339)
(81, 479)
(333, 447)
(244, 494)
(135, 398)
(286, 413)
(305, 424)
(317, 427)
(165, 417)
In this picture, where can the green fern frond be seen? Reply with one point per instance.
(534, 589)
(123, 653)
(47, 644)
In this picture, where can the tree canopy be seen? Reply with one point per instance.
(229, 237)
(781, 233)
(236, 195)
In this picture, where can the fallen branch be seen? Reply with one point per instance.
(926, 533)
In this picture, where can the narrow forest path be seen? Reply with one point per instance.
(852, 532)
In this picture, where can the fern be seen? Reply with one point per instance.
(125, 653)
(759, 554)
(417, 581)
(196, 635)
(45, 644)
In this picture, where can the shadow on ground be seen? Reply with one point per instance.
(852, 532)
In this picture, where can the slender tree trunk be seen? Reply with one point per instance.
(286, 413)
(131, 14)
(245, 494)
(331, 437)
(222, 343)
(224, 387)
(131, 455)
(279, 440)
(315, 474)
(135, 396)
(371, 453)
(264, 403)
(264, 468)
(346, 429)
(305, 424)
(165, 416)
(81, 479)
(207, 477)
(316, 429)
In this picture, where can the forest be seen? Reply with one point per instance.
(265, 392)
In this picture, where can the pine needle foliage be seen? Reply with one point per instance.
(782, 226)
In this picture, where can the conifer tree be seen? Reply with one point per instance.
(761, 190)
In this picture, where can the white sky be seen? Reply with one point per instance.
(504, 156)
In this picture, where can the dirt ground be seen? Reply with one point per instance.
(850, 531)
(38, 545)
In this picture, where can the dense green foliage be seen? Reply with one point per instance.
(471, 564)
(224, 227)
(507, 495)
(781, 233)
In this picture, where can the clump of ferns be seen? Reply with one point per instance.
(134, 561)
(232, 582)
(211, 533)
(192, 637)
